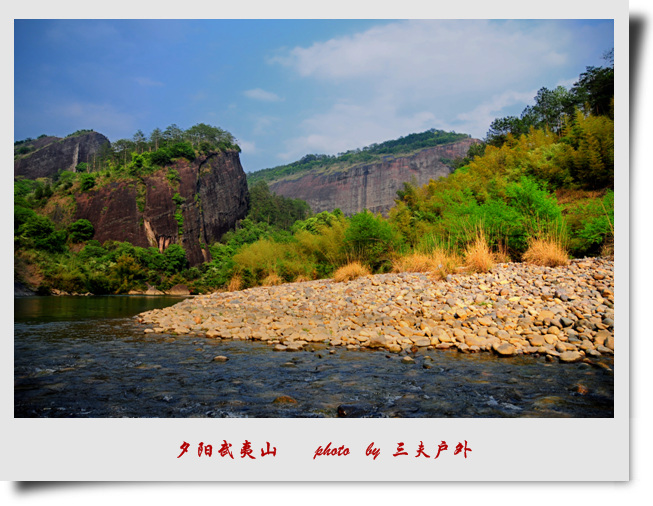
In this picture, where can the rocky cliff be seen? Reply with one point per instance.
(214, 193)
(52, 154)
(370, 186)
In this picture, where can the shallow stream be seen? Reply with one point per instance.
(86, 357)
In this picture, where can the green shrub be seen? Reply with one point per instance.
(100, 284)
(160, 157)
(173, 176)
(175, 258)
(39, 232)
(182, 150)
(151, 258)
(370, 239)
(86, 181)
(135, 168)
(592, 225)
(21, 215)
(81, 230)
(92, 251)
(178, 199)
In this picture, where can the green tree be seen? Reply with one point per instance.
(155, 138)
(595, 87)
(81, 230)
(140, 141)
(21, 215)
(182, 150)
(86, 182)
(122, 149)
(173, 134)
(39, 232)
(175, 258)
(370, 239)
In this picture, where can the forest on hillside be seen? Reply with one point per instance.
(539, 188)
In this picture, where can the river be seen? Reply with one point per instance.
(86, 357)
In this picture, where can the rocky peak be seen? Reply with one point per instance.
(52, 154)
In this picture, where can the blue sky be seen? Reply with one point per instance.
(286, 88)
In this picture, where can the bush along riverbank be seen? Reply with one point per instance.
(563, 313)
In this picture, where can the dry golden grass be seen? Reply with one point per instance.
(272, 279)
(478, 256)
(501, 256)
(302, 279)
(414, 262)
(546, 252)
(350, 271)
(438, 263)
(607, 250)
(235, 283)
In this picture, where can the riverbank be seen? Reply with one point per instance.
(565, 313)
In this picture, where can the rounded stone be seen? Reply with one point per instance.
(506, 350)
(284, 399)
(570, 356)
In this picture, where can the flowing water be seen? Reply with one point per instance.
(86, 357)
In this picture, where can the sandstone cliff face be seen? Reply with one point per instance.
(372, 186)
(59, 154)
(214, 189)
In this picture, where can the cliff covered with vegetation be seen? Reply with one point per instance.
(167, 200)
(538, 189)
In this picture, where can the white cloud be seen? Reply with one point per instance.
(247, 147)
(265, 96)
(349, 126)
(402, 54)
(478, 119)
(409, 76)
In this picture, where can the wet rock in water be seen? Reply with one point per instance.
(220, 358)
(153, 291)
(548, 402)
(352, 411)
(408, 360)
(570, 356)
(179, 290)
(284, 399)
(581, 389)
(506, 350)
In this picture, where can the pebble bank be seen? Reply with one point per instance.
(564, 314)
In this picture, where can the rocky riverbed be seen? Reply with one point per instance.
(564, 314)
